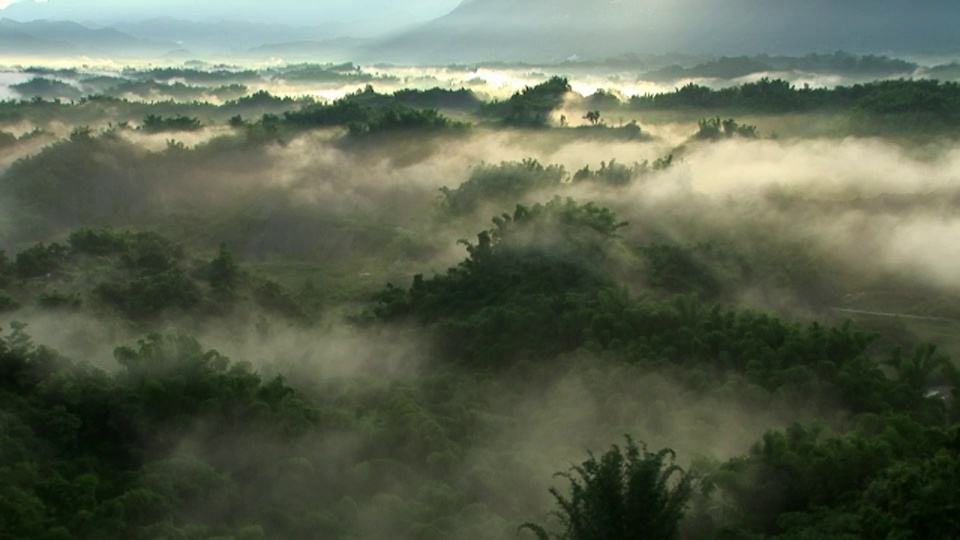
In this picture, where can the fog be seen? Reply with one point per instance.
(402, 322)
(864, 202)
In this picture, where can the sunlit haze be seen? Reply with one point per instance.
(479, 270)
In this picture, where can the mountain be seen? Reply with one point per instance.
(235, 36)
(62, 38)
(329, 50)
(292, 13)
(218, 36)
(13, 42)
(107, 12)
(483, 30)
(550, 30)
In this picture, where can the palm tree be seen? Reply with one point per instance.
(593, 117)
(625, 494)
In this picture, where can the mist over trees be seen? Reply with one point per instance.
(333, 300)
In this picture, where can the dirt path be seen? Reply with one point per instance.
(893, 315)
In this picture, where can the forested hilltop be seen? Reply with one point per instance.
(434, 313)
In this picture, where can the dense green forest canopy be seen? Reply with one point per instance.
(777, 95)
(430, 313)
(891, 107)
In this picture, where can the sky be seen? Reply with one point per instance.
(286, 11)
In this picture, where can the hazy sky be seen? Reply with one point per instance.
(289, 11)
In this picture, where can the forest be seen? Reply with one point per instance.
(394, 308)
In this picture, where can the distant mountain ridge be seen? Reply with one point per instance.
(552, 30)
(514, 31)
(356, 18)
(165, 36)
(218, 36)
(64, 38)
(221, 35)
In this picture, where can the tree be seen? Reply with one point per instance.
(153, 123)
(593, 117)
(39, 260)
(714, 128)
(224, 271)
(625, 494)
(532, 106)
(7, 140)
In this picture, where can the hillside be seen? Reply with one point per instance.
(551, 30)
(45, 38)
(396, 314)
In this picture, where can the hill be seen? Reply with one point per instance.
(63, 38)
(551, 30)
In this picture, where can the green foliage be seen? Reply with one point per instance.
(7, 302)
(44, 88)
(632, 131)
(77, 180)
(838, 63)
(81, 134)
(340, 113)
(150, 252)
(401, 118)
(153, 123)
(148, 295)
(144, 276)
(532, 106)
(39, 260)
(438, 98)
(383, 115)
(98, 459)
(261, 99)
(603, 99)
(517, 293)
(907, 107)
(915, 497)
(224, 271)
(553, 320)
(616, 174)
(7, 268)
(712, 129)
(98, 241)
(892, 106)
(343, 73)
(663, 163)
(501, 184)
(193, 76)
(275, 298)
(57, 299)
(7, 140)
(678, 270)
(156, 280)
(802, 484)
(766, 95)
(625, 494)
(540, 284)
(107, 86)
